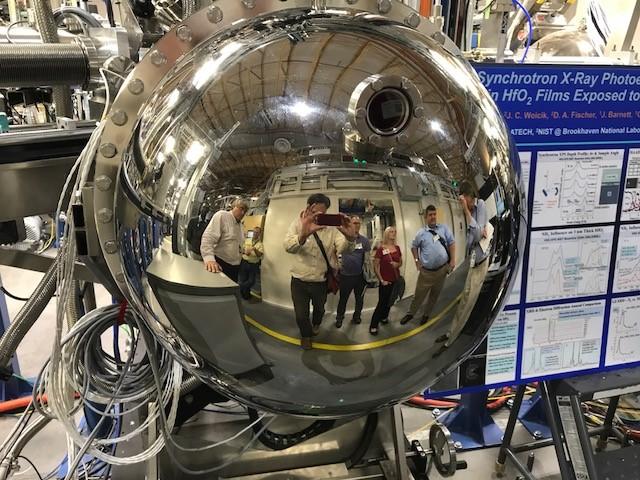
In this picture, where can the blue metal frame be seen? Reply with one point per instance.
(471, 424)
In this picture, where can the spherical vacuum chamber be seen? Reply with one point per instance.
(253, 109)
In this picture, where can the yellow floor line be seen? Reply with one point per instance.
(357, 346)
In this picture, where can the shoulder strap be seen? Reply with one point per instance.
(321, 247)
(442, 242)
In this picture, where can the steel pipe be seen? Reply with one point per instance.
(44, 64)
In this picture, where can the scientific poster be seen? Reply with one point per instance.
(569, 263)
(631, 199)
(562, 338)
(502, 348)
(627, 270)
(576, 187)
(623, 342)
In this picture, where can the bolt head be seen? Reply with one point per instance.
(158, 58)
(105, 215)
(361, 113)
(110, 247)
(184, 33)
(103, 183)
(120, 277)
(214, 14)
(377, 84)
(457, 445)
(537, 434)
(108, 150)
(119, 117)
(418, 112)
(402, 138)
(412, 20)
(439, 37)
(249, 3)
(384, 6)
(375, 139)
(136, 86)
(282, 145)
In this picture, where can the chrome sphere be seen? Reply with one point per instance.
(216, 144)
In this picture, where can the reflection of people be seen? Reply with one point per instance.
(308, 273)
(475, 212)
(250, 264)
(352, 274)
(387, 262)
(434, 253)
(222, 240)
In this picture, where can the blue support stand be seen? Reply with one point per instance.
(533, 417)
(16, 386)
(470, 424)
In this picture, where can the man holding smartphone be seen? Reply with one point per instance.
(306, 239)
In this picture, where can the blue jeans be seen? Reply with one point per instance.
(247, 277)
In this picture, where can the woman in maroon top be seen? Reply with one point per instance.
(387, 262)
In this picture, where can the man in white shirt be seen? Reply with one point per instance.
(222, 240)
(309, 270)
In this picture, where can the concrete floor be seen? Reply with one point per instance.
(49, 447)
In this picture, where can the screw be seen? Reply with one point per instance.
(184, 33)
(249, 3)
(110, 246)
(120, 277)
(375, 139)
(384, 6)
(439, 37)
(119, 117)
(282, 145)
(108, 150)
(412, 20)
(457, 445)
(537, 434)
(103, 183)
(361, 113)
(436, 412)
(105, 215)
(377, 84)
(136, 86)
(214, 14)
(418, 112)
(158, 58)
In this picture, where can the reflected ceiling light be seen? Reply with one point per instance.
(195, 152)
(173, 98)
(412, 170)
(301, 109)
(436, 126)
(169, 144)
(209, 69)
(442, 163)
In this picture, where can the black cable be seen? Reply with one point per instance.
(282, 441)
(32, 465)
(11, 295)
(365, 441)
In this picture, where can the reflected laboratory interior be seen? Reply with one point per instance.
(257, 237)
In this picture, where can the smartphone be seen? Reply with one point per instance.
(329, 219)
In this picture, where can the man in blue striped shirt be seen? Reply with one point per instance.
(434, 253)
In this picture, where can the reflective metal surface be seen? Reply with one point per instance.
(247, 101)
(567, 43)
